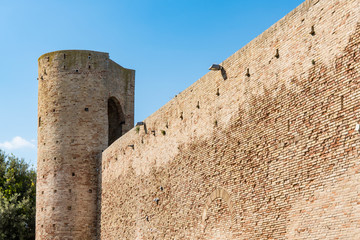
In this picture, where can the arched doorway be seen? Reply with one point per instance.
(218, 216)
(115, 119)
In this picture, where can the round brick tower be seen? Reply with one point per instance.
(86, 101)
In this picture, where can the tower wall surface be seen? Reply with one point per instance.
(265, 149)
(74, 88)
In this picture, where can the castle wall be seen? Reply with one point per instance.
(269, 153)
(74, 88)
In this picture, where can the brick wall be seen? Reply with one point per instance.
(268, 153)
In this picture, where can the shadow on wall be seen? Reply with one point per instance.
(116, 119)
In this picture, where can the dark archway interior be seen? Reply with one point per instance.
(116, 119)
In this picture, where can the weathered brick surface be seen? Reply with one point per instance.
(74, 88)
(267, 155)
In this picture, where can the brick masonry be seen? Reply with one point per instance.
(269, 153)
(74, 88)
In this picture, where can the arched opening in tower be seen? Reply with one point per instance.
(116, 120)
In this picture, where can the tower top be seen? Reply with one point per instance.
(74, 51)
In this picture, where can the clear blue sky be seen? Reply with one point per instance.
(170, 44)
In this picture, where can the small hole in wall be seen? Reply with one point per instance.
(42, 225)
(53, 225)
(89, 57)
(69, 207)
(73, 174)
(39, 123)
(53, 208)
(90, 190)
(181, 116)
(64, 56)
(42, 192)
(53, 110)
(43, 176)
(64, 67)
(42, 209)
(69, 190)
(342, 102)
(198, 105)
(89, 67)
(277, 55)
(247, 72)
(43, 160)
(54, 158)
(76, 70)
(217, 92)
(86, 109)
(312, 32)
(55, 191)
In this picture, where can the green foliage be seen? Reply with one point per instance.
(137, 129)
(17, 199)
